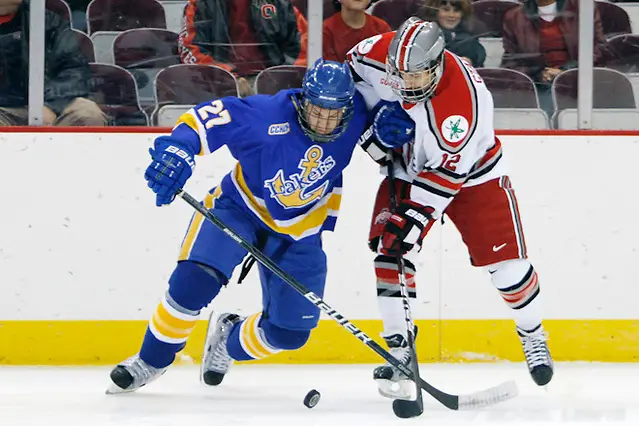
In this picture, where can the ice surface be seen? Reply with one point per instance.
(266, 395)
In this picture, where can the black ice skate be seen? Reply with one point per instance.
(215, 359)
(131, 374)
(538, 358)
(391, 383)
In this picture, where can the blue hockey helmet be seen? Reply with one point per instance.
(326, 103)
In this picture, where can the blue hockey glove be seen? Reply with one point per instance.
(171, 167)
(393, 127)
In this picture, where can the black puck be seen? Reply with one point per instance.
(312, 398)
(406, 409)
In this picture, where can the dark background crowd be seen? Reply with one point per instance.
(142, 62)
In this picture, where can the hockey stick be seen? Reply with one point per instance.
(404, 408)
(454, 402)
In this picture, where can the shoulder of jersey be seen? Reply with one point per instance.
(270, 115)
(453, 112)
(373, 50)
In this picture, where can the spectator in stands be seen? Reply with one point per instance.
(454, 18)
(541, 39)
(395, 12)
(351, 25)
(243, 36)
(66, 71)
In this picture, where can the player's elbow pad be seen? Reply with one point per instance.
(373, 147)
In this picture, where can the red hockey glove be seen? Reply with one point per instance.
(405, 228)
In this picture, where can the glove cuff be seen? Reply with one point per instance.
(418, 214)
(373, 147)
(163, 142)
(173, 146)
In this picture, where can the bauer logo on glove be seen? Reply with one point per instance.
(171, 167)
(182, 154)
(406, 227)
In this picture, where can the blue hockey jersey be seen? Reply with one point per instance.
(288, 181)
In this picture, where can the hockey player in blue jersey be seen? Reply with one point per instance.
(284, 191)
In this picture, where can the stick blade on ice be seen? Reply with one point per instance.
(494, 395)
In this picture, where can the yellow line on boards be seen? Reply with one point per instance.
(108, 342)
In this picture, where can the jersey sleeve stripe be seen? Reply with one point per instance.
(433, 188)
(441, 180)
(487, 163)
(191, 120)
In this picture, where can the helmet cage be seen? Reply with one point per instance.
(403, 83)
(315, 118)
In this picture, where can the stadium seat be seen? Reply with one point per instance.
(632, 9)
(634, 80)
(488, 16)
(494, 51)
(611, 89)
(106, 18)
(187, 85)
(602, 119)
(614, 19)
(521, 119)
(122, 15)
(144, 52)
(274, 79)
(624, 53)
(59, 7)
(174, 12)
(86, 45)
(510, 88)
(113, 88)
(395, 12)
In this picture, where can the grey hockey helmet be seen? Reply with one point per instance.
(415, 61)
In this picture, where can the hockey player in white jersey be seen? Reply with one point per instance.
(453, 166)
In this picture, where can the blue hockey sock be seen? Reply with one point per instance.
(256, 338)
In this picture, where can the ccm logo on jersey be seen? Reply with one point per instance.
(279, 129)
(182, 154)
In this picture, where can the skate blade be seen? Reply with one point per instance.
(114, 389)
(212, 322)
(403, 389)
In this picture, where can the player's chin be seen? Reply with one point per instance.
(324, 131)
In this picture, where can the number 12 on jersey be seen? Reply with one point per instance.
(214, 114)
(449, 162)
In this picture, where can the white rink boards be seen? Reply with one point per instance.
(82, 263)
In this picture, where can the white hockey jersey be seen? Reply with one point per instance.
(455, 143)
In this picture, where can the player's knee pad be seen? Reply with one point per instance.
(387, 275)
(193, 285)
(283, 338)
(516, 281)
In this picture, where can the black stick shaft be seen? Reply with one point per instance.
(450, 401)
(403, 288)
